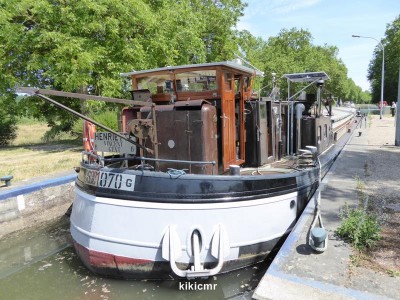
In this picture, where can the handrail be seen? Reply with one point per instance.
(117, 159)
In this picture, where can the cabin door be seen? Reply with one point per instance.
(228, 120)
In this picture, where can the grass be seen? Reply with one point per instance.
(359, 226)
(29, 157)
(393, 273)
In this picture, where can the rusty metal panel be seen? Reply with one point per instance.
(128, 114)
(172, 138)
(208, 140)
(256, 134)
(308, 134)
(188, 134)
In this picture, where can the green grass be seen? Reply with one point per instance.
(29, 156)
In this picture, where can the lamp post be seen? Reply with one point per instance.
(383, 66)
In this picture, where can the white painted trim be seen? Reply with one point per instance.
(157, 245)
(184, 206)
(114, 240)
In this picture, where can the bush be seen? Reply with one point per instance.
(8, 130)
(359, 228)
(8, 120)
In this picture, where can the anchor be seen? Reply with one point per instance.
(172, 250)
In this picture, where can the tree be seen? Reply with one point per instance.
(391, 43)
(83, 45)
(8, 121)
(292, 51)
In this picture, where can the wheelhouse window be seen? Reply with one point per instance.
(228, 82)
(196, 81)
(246, 83)
(157, 84)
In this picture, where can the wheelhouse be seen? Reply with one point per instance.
(197, 106)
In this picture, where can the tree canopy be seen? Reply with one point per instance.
(83, 46)
(391, 44)
(292, 51)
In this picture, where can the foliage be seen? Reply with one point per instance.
(360, 228)
(8, 130)
(8, 121)
(83, 46)
(108, 118)
(391, 43)
(292, 51)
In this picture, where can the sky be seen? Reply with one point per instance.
(331, 22)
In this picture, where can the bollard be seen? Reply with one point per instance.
(318, 236)
(234, 170)
(7, 179)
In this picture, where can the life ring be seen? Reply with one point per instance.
(89, 129)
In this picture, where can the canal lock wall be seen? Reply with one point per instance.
(27, 205)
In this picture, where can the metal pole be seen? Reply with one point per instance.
(288, 121)
(397, 136)
(383, 77)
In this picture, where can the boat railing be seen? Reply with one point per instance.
(90, 157)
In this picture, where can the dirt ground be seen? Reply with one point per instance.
(382, 185)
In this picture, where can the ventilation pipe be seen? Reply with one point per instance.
(320, 83)
(299, 114)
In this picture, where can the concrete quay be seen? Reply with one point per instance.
(26, 204)
(298, 272)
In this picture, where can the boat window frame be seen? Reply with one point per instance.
(319, 133)
(228, 82)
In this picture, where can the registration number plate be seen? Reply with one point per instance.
(117, 181)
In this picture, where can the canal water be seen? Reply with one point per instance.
(40, 263)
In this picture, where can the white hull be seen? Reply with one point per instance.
(148, 231)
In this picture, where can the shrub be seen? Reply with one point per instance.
(359, 228)
(8, 130)
(8, 120)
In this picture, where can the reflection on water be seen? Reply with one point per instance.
(41, 264)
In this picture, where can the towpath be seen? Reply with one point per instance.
(370, 159)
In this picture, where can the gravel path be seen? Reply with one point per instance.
(382, 178)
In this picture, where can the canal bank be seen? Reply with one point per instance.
(41, 263)
(341, 272)
(26, 204)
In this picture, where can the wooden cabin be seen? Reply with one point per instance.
(218, 91)
(206, 113)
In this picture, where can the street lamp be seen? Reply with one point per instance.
(383, 66)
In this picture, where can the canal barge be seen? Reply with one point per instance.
(204, 176)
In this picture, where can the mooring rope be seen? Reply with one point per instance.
(317, 200)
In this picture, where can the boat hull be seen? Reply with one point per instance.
(149, 238)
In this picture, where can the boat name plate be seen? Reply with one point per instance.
(117, 181)
(109, 142)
